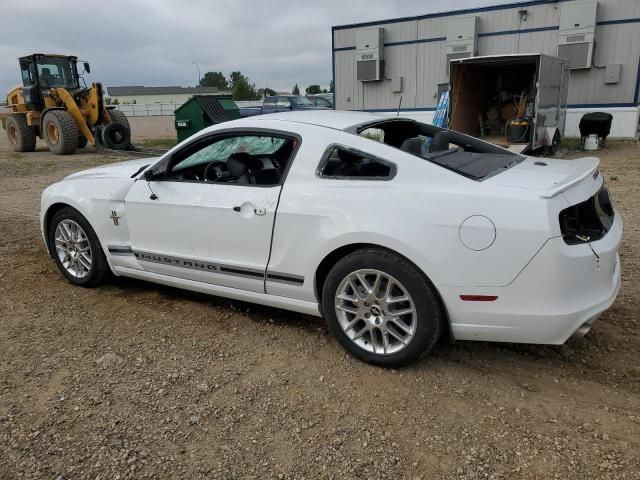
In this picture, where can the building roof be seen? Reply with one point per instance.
(139, 90)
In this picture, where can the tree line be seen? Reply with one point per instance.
(242, 89)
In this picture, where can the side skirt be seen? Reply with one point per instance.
(301, 306)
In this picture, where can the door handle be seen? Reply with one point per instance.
(256, 210)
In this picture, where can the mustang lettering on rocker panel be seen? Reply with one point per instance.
(206, 266)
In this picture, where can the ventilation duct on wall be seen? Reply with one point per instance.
(577, 32)
(462, 38)
(370, 54)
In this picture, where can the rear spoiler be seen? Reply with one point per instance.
(581, 168)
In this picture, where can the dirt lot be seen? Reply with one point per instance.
(133, 380)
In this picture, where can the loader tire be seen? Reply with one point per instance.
(116, 136)
(117, 116)
(60, 132)
(22, 137)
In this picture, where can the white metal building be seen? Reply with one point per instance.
(377, 63)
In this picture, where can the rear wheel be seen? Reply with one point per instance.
(76, 249)
(60, 132)
(382, 308)
(22, 137)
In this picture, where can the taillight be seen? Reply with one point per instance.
(587, 221)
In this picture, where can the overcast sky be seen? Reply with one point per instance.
(276, 43)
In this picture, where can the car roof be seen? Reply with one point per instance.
(336, 119)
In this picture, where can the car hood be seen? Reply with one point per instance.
(114, 170)
(549, 176)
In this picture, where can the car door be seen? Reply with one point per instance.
(186, 226)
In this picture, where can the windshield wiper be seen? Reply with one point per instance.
(139, 170)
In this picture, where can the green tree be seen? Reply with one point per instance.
(296, 90)
(241, 88)
(313, 89)
(214, 79)
(266, 92)
(331, 86)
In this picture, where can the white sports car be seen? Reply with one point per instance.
(394, 230)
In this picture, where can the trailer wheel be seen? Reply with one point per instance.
(116, 136)
(60, 132)
(21, 136)
(555, 143)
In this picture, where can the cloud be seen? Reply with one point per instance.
(276, 43)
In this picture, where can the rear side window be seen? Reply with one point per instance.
(347, 163)
(270, 101)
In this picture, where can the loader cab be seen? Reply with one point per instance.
(46, 71)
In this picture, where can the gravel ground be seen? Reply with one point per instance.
(133, 380)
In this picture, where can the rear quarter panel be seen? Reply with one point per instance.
(417, 214)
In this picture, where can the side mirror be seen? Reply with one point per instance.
(148, 175)
(87, 67)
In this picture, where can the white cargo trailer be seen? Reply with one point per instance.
(518, 101)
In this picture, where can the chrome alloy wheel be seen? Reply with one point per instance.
(376, 311)
(73, 248)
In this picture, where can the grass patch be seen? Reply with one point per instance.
(158, 142)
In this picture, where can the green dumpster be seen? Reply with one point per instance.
(202, 111)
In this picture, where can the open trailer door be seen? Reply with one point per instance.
(516, 101)
(551, 102)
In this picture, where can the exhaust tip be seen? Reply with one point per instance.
(581, 331)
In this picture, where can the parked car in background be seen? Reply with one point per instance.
(392, 243)
(322, 99)
(281, 103)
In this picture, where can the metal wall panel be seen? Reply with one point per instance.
(422, 64)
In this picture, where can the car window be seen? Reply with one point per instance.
(221, 150)
(243, 159)
(346, 163)
(283, 102)
(270, 101)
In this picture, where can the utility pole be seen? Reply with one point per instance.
(199, 77)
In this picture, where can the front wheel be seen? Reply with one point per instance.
(60, 132)
(76, 249)
(382, 308)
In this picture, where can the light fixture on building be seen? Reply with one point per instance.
(523, 15)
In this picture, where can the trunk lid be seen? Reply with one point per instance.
(549, 177)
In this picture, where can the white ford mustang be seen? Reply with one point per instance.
(394, 230)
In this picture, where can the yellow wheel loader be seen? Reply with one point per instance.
(51, 104)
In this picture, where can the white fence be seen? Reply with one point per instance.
(148, 110)
(162, 109)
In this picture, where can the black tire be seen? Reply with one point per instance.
(99, 270)
(429, 313)
(60, 132)
(82, 141)
(116, 136)
(22, 137)
(117, 116)
(555, 144)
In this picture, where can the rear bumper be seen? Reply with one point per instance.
(561, 292)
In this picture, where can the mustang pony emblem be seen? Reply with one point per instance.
(115, 217)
